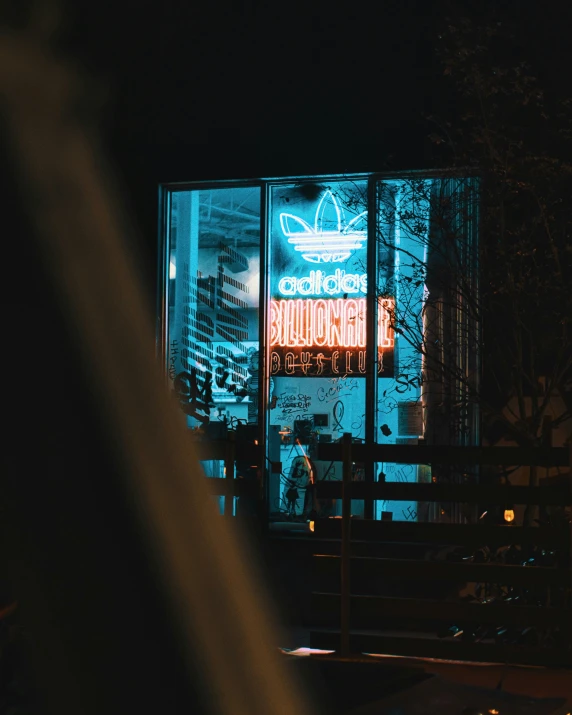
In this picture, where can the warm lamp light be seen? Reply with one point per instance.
(509, 515)
(312, 526)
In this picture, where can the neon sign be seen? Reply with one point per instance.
(319, 282)
(317, 317)
(339, 363)
(318, 323)
(331, 239)
(304, 335)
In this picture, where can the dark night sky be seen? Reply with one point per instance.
(193, 75)
(195, 68)
(230, 90)
(189, 70)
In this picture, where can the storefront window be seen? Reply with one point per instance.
(318, 331)
(213, 288)
(402, 229)
(266, 325)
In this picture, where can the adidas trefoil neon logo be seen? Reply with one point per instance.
(331, 239)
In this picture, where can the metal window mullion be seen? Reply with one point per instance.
(264, 354)
(371, 332)
(162, 326)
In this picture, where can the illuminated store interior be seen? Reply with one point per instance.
(295, 310)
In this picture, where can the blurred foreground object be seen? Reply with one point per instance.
(215, 598)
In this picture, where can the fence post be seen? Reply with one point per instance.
(570, 526)
(346, 535)
(229, 474)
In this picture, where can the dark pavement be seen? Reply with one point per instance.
(392, 686)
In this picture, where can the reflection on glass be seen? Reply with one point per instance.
(308, 411)
(318, 352)
(317, 326)
(402, 228)
(318, 280)
(213, 322)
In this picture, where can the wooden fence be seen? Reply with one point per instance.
(227, 451)
(362, 620)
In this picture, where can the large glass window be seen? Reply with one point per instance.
(297, 264)
(402, 228)
(213, 288)
(427, 262)
(317, 332)
(214, 293)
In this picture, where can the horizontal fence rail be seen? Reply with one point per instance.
(365, 569)
(424, 454)
(227, 486)
(375, 610)
(430, 533)
(462, 493)
(213, 449)
(231, 487)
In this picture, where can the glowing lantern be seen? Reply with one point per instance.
(509, 515)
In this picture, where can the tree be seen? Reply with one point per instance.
(505, 156)
(437, 313)
(520, 144)
(503, 132)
